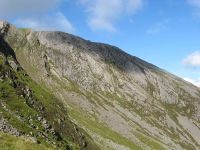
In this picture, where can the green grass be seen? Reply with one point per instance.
(10, 142)
(1, 59)
(17, 110)
(150, 142)
(25, 30)
(16, 106)
(150, 88)
(102, 130)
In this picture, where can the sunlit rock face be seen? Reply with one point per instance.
(122, 101)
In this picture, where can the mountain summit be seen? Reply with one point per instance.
(121, 101)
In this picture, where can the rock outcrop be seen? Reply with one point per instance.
(7, 128)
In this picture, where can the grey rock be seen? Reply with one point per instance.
(7, 128)
(39, 118)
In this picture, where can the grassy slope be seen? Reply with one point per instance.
(10, 142)
(17, 110)
(16, 105)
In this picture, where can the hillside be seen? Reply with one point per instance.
(28, 110)
(121, 101)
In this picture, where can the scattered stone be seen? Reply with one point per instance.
(7, 128)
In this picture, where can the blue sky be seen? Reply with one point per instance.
(163, 32)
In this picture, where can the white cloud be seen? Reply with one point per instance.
(55, 22)
(103, 14)
(193, 81)
(36, 14)
(158, 27)
(192, 60)
(18, 8)
(133, 6)
(195, 3)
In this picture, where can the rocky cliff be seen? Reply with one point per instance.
(121, 101)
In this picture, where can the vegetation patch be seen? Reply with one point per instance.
(102, 129)
(10, 142)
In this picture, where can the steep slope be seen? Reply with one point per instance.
(120, 100)
(30, 111)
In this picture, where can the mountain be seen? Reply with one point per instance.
(119, 100)
(31, 112)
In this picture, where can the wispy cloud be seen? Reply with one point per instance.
(158, 27)
(192, 60)
(55, 22)
(193, 81)
(195, 3)
(36, 14)
(16, 8)
(103, 14)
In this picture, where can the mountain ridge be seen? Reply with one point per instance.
(121, 101)
(117, 49)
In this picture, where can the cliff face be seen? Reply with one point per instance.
(122, 101)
